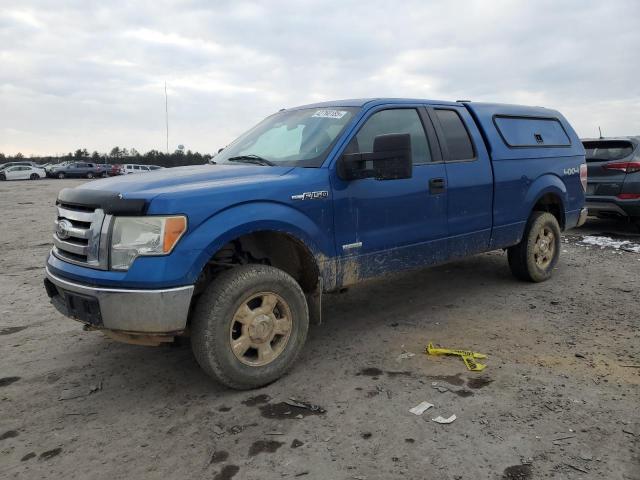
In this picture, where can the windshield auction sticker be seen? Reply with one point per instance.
(329, 113)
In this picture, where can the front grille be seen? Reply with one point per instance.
(79, 233)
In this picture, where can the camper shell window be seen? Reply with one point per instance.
(528, 132)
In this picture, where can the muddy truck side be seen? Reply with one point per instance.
(237, 254)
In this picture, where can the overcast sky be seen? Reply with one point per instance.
(91, 74)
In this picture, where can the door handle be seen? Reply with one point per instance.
(436, 185)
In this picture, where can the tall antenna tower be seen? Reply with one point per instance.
(166, 113)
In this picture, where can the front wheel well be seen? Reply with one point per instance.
(278, 249)
(551, 203)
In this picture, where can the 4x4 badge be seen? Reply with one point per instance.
(310, 195)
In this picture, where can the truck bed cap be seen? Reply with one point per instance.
(517, 131)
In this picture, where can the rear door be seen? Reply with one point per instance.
(606, 165)
(25, 172)
(469, 181)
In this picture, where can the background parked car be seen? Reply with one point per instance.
(49, 167)
(115, 169)
(13, 164)
(105, 167)
(76, 169)
(155, 167)
(613, 188)
(22, 172)
(133, 168)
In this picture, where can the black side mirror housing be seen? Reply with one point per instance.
(390, 160)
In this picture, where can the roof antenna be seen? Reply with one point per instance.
(600, 130)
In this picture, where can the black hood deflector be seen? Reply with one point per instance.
(111, 202)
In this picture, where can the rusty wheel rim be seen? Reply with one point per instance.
(544, 249)
(260, 329)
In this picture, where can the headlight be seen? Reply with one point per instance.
(137, 236)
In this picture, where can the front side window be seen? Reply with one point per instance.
(455, 135)
(300, 138)
(402, 120)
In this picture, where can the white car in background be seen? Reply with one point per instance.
(22, 172)
(128, 168)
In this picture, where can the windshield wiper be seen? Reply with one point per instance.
(255, 159)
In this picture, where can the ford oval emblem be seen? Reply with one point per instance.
(62, 230)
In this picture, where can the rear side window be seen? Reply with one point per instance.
(605, 150)
(532, 132)
(455, 134)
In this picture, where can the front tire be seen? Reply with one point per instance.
(249, 326)
(61, 175)
(34, 176)
(535, 257)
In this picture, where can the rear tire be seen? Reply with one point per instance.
(2, 177)
(89, 175)
(535, 257)
(249, 307)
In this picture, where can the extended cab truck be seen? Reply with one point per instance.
(311, 200)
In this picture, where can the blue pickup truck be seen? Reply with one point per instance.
(237, 254)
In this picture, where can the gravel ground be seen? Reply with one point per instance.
(558, 399)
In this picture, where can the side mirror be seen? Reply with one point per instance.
(390, 160)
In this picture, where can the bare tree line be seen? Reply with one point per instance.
(118, 155)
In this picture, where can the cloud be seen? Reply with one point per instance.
(83, 74)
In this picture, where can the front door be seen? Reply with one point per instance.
(390, 225)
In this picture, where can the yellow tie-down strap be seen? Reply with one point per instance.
(468, 357)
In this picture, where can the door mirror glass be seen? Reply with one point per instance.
(391, 159)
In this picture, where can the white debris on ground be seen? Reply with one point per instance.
(608, 242)
(444, 421)
(421, 408)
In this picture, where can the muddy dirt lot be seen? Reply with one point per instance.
(559, 398)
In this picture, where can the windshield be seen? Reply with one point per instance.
(300, 138)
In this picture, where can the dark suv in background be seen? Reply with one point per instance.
(613, 188)
(77, 169)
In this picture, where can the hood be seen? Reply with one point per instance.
(183, 179)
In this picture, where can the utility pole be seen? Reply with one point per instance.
(166, 113)
(600, 130)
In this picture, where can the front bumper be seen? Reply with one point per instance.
(163, 311)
